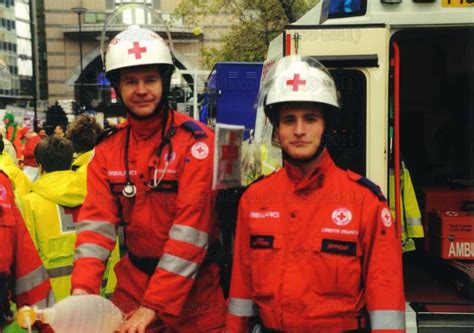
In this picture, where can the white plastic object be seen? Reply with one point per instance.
(79, 314)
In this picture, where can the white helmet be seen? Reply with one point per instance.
(134, 47)
(297, 79)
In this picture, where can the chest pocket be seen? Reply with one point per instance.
(336, 267)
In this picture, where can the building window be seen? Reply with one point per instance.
(93, 18)
(135, 15)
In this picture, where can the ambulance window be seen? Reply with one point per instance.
(346, 8)
(347, 143)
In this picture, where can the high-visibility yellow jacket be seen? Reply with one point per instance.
(80, 167)
(410, 211)
(49, 211)
(271, 158)
(21, 183)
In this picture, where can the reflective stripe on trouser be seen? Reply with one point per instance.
(103, 228)
(178, 266)
(30, 280)
(387, 320)
(205, 306)
(242, 307)
(89, 250)
(189, 235)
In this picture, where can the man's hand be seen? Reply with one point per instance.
(78, 292)
(136, 322)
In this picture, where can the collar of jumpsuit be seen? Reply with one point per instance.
(314, 180)
(147, 127)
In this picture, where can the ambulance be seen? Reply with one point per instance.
(405, 72)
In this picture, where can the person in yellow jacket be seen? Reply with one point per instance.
(21, 183)
(83, 132)
(410, 211)
(50, 210)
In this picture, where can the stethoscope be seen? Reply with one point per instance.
(130, 189)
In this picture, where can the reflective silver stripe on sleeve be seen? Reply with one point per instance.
(178, 266)
(30, 280)
(89, 250)
(387, 320)
(103, 228)
(242, 307)
(189, 235)
(414, 221)
(47, 302)
(59, 271)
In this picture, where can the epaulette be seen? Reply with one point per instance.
(375, 189)
(194, 128)
(108, 132)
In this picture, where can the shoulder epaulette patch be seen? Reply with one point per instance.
(194, 128)
(373, 187)
(105, 134)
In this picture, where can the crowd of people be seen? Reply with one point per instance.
(316, 249)
(48, 185)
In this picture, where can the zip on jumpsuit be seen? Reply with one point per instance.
(167, 228)
(316, 254)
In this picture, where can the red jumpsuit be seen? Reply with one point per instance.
(172, 223)
(313, 254)
(18, 255)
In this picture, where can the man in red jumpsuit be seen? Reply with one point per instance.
(19, 260)
(153, 174)
(316, 249)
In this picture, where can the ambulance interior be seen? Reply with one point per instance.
(436, 145)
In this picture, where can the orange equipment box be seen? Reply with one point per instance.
(442, 199)
(452, 234)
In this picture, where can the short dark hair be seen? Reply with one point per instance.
(54, 154)
(62, 126)
(83, 132)
(2, 144)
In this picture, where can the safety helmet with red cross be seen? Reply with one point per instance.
(135, 47)
(296, 79)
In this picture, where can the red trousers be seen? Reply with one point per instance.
(204, 311)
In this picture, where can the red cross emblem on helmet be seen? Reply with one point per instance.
(137, 50)
(296, 82)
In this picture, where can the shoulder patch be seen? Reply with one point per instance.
(375, 189)
(194, 128)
